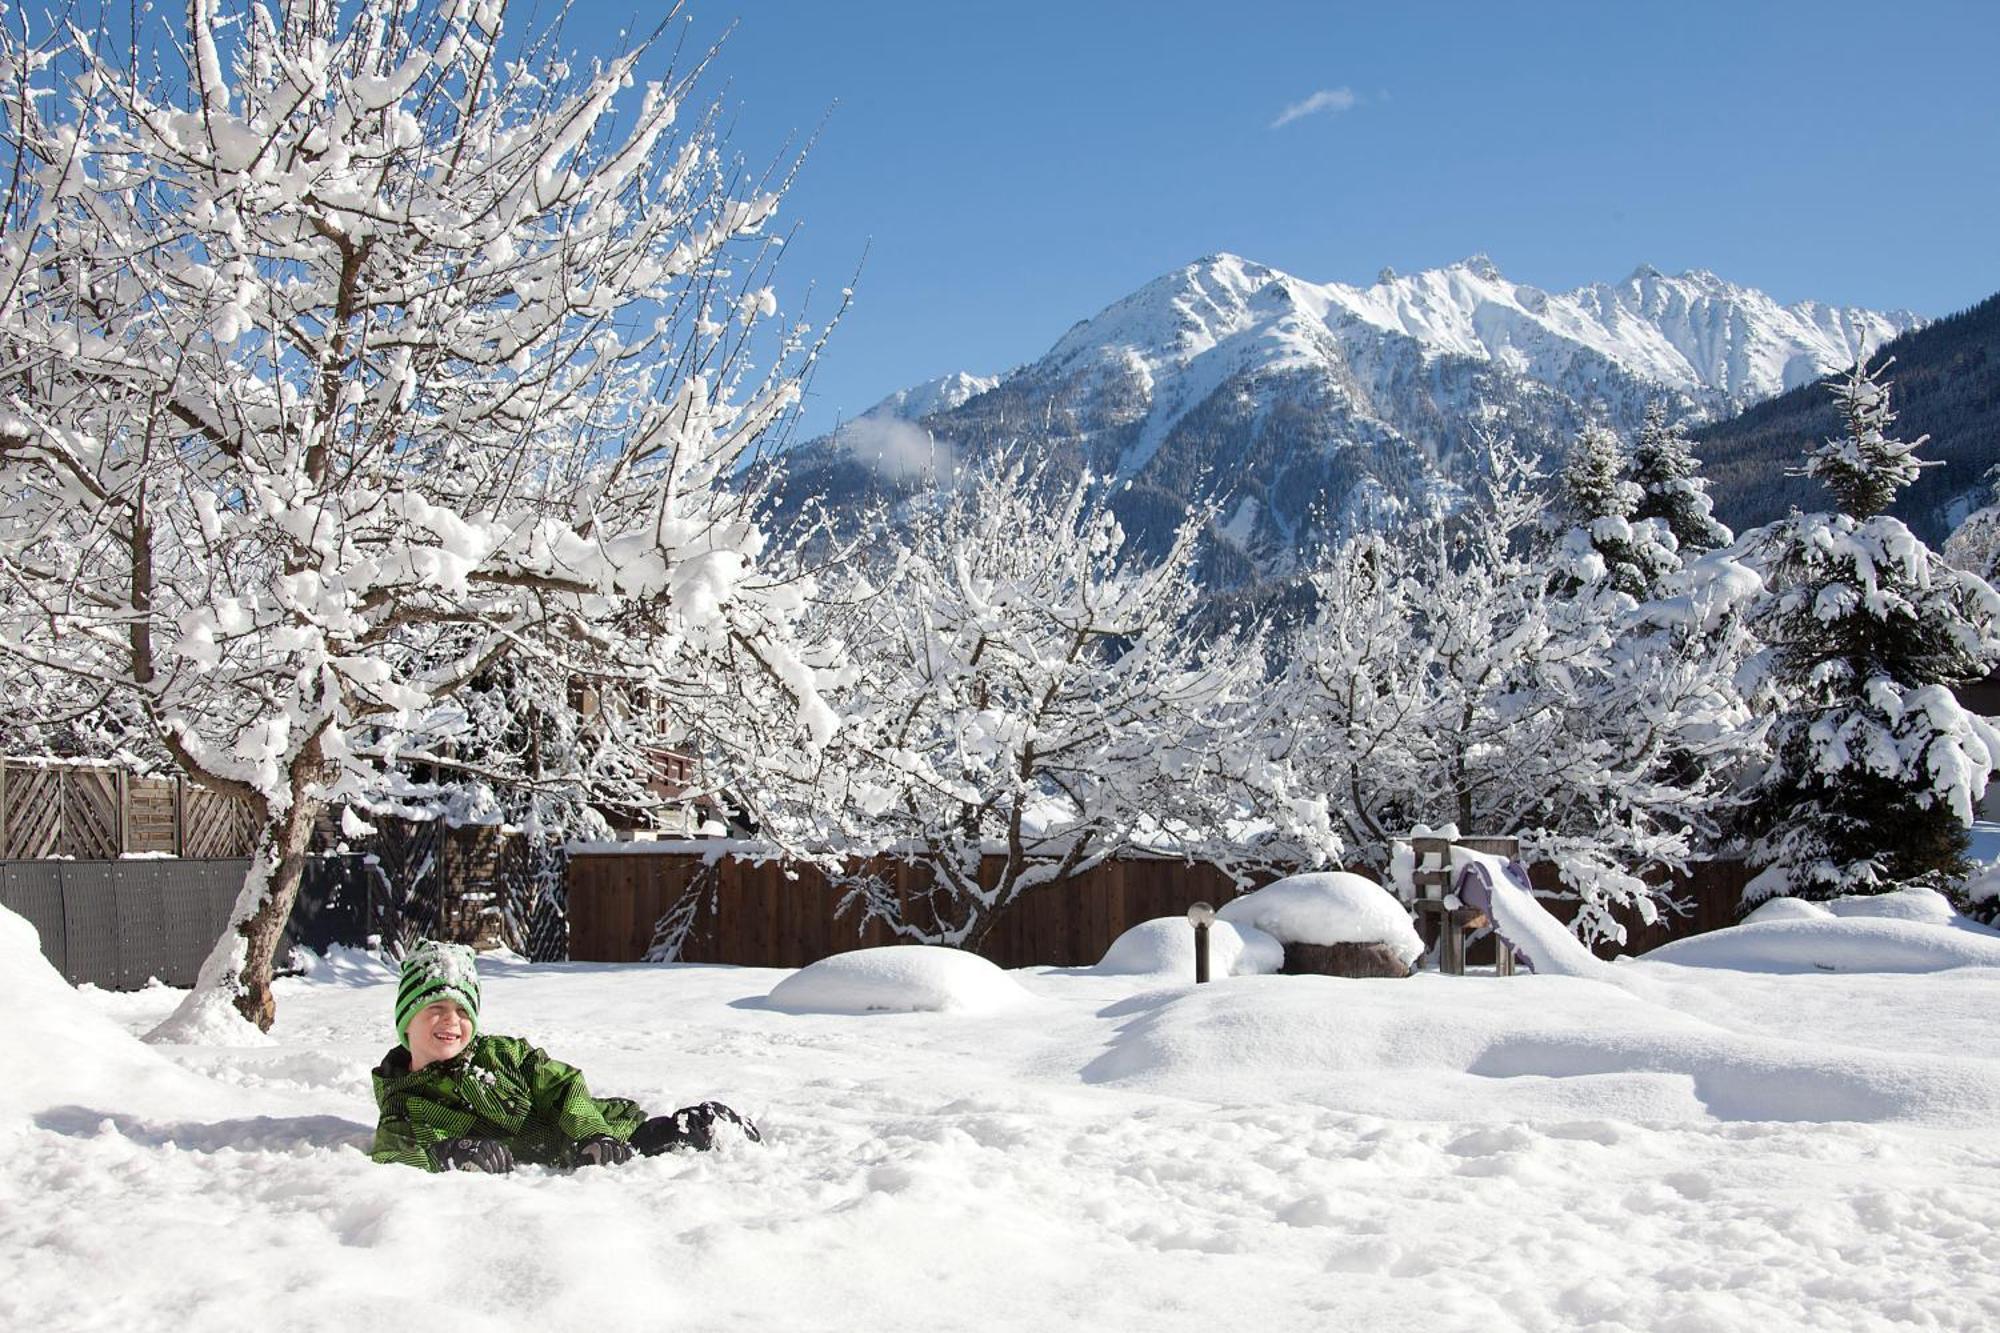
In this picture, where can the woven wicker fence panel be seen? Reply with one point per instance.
(90, 923)
(33, 891)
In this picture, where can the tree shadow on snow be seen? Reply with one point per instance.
(262, 1133)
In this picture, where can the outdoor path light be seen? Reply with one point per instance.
(1201, 916)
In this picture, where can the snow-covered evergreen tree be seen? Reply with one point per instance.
(1023, 684)
(1606, 543)
(348, 350)
(1671, 487)
(1875, 767)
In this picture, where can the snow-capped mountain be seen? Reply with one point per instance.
(932, 396)
(1314, 406)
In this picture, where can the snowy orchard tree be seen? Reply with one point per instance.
(346, 357)
(1024, 684)
(1875, 767)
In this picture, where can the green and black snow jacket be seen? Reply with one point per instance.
(496, 1088)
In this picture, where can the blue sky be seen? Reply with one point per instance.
(1012, 168)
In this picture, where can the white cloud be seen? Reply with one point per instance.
(1326, 99)
(896, 449)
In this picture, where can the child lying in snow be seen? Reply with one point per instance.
(455, 1101)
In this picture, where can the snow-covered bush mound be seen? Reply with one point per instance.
(1164, 947)
(1782, 942)
(1787, 909)
(1328, 907)
(898, 978)
(1495, 1050)
(1925, 905)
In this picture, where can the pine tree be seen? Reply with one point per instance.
(1671, 486)
(1874, 765)
(1606, 544)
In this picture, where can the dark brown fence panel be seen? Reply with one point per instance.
(767, 914)
(1707, 898)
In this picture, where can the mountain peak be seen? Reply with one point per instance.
(1480, 266)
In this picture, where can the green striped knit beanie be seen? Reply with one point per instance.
(435, 970)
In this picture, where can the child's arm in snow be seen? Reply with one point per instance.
(399, 1139)
(562, 1099)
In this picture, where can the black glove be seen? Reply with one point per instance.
(601, 1150)
(690, 1127)
(473, 1154)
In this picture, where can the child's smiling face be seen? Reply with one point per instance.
(437, 1032)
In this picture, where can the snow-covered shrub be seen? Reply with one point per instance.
(1464, 674)
(1021, 682)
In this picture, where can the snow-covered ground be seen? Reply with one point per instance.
(1666, 1147)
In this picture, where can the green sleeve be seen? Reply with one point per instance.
(400, 1139)
(561, 1100)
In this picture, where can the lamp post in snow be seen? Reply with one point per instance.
(1201, 916)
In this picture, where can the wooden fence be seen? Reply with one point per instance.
(767, 914)
(101, 812)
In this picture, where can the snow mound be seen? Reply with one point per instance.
(1787, 909)
(901, 978)
(1926, 905)
(1164, 946)
(1329, 907)
(1517, 1049)
(1832, 943)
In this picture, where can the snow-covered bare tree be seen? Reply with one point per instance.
(1875, 767)
(348, 350)
(1025, 684)
(1974, 545)
(1671, 487)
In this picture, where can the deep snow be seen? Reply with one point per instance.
(1667, 1148)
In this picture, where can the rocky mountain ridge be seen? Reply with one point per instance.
(1312, 409)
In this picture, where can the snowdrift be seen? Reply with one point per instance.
(1511, 1049)
(59, 1050)
(1834, 944)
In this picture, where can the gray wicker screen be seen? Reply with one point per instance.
(117, 924)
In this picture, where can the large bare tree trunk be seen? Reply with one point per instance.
(281, 854)
(235, 980)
